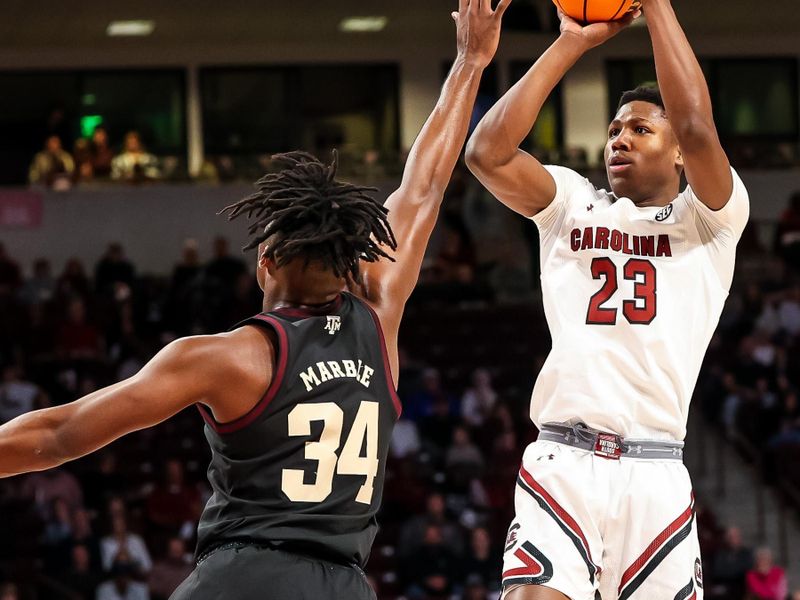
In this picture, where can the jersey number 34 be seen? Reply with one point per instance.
(641, 310)
(324, 451)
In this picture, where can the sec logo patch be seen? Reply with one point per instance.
(664, 213)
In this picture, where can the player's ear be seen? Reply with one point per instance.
(678, 158)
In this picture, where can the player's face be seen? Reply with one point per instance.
(641, 155)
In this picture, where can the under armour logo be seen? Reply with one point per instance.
(548, 457)
(590, 208)
(333, 325)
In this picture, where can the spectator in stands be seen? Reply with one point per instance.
(224, 269)
(10, 277)
(45, 486)
(414, 529)
(420, 403)
(82, 155)
(83, 535)
(405, 439)
(174, 505)
(134, 165)
(101, 154)
(114, 273)
(482, 560)
(188, 269)
(121, 543)
(78, 339)
(730, 566)
(456, 259)
(476, 589)
(80, 578)
(169, 572)
(766, 581)
(103, 482)
(431, 572)
(122, 585)
(41, 287)
(53, 166)
(463, 460)
(73, 281)
(57, 537)
(787, 240)
(19, 396)
(478, 401)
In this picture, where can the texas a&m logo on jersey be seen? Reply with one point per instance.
(333, 324)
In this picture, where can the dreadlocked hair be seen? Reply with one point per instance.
(306, 213)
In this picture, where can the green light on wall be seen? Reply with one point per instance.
(89, 123)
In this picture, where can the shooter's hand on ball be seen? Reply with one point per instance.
(593, 35)
(478, 30)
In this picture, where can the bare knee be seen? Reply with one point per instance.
(535, 592)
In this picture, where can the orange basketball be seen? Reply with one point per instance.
(593, 11)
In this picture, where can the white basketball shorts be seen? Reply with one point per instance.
(598, 528)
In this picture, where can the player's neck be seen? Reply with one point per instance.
(659, 198)
(279, 297)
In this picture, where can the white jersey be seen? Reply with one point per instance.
(632, 297)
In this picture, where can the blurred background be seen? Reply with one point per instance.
(125, 126)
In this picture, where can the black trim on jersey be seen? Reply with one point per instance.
(686, 591)
(656, 560)
(272, 390)
(398, 406)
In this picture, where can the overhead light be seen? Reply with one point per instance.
(120, 28)
(360, 24)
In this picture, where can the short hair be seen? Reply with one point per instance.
(645, 93)
(314, 216)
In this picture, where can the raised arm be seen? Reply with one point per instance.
(688, 103)
(515, 177)
(186, 371)
(414, 207)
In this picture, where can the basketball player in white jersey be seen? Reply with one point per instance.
(633, 282)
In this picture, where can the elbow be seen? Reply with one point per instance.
(476, 155)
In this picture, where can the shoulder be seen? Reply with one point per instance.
(732, 217)
(572, 189)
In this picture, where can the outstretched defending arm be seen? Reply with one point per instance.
(688, 103)
(189, 370)
(414, 207)
(515, 177)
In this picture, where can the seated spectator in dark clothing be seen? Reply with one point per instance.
(122, 586)
(432, 571)
(103, 482)
(188, 269)
(82, 155)
(134, 165)
(475, 589)
(787, 240)
(169, 572)
(224, 269)
(174, 504)
(437, 428)
(18, 396)
(414, 529)
(730, 566)
(73, 281)
(80, 578)
(53, 166)
(114, 270)
(765, 581)
(83, 535)
(101, 154)
(482, 560)
(10, 277)
(41, 287)
(456, 260)
(76, 338)
(57, 537)
(463, 460)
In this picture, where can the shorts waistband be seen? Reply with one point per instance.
(298, 550)
(609, 445)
